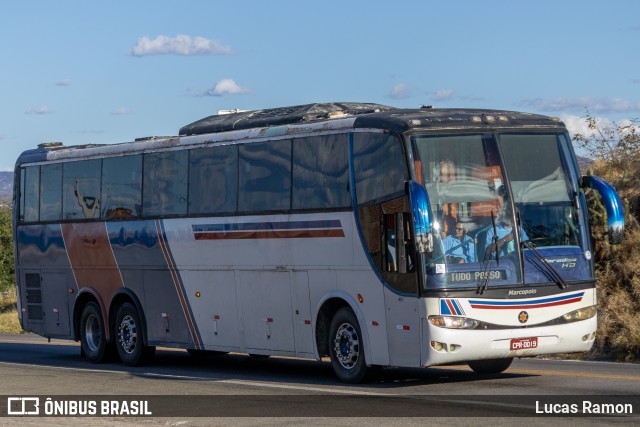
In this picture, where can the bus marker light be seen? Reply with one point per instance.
(307, 322)
(71, 291)
(216, 317)
(197, 294)
(360, 299)
(374, 323)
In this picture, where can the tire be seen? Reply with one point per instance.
(129, 337)
(346, 348)
(490, 366)
(93, 342)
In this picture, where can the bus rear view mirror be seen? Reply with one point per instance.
(611, 200)
(421, 213)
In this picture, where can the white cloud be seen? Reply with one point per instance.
(64, 82)
(227, 87)
(442, 95)
(122, 111)
(595, 105)
(578, 125)
(42, 109)
(180, 45)
(400, 91)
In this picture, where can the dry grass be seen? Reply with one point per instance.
(618, 275)
(9, 323)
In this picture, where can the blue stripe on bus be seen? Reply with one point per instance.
(520, 302)
(253, 226)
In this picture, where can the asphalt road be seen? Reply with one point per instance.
(236, 389)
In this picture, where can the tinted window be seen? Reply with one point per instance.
(380, 167)
(213, 180)
(320, 172)
(30, 193)
(51, 192)
(165, 183)
(121, 187)
(81, 192)
(265, 176)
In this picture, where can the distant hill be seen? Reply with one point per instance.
(6, 183)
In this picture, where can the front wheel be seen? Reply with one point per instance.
(346, 348)
(490, 366)
(130, 337)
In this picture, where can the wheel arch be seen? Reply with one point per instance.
(326, 309)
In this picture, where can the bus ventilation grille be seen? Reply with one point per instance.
(34, 296)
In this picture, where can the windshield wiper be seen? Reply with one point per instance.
(552, 271)
(483, 283)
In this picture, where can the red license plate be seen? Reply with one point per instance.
(524, 343)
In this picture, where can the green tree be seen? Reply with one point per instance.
(7, 278)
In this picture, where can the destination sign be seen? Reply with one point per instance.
(475, 276)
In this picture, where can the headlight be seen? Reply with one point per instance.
(453, 322)
(581, 314)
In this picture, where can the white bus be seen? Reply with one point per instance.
(373, 235)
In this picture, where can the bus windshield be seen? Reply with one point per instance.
(480, 219)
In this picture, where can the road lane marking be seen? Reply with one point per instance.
(217, 380)
(553, 373)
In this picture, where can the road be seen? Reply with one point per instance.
(236, 389)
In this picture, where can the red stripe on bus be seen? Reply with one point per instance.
(519, 307)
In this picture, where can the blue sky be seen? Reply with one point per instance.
(105, 72)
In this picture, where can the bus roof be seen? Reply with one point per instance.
(302, 119)
(367, 116)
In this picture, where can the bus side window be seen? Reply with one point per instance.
(121, 185)
(265, 176)
(81, 189)
(51, 192)
(165, 183)
(213, 180)
(30, 194)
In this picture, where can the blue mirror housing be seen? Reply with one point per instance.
(421, 212)
(613, 204)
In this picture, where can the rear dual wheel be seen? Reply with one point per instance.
(93, 341)
(129, 337)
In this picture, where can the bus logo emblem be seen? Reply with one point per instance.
(523, 316)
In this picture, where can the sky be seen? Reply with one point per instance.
(84, 72)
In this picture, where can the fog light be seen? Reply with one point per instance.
(438, 346)
(585, 337)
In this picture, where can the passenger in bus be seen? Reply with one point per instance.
(458, 247)
(504, 241)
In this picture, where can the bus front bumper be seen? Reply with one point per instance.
(442, 345)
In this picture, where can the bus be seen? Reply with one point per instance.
(371, 235)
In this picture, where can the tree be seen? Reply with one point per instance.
(7, 277)
(615, 149)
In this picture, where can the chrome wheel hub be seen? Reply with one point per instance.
(347, 346)
(127, 334)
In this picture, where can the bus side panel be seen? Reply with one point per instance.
(47, 285)
(147, 267)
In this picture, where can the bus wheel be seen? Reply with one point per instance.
(93, 342)
(345, 347)
(130, 337)
(490, 366)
